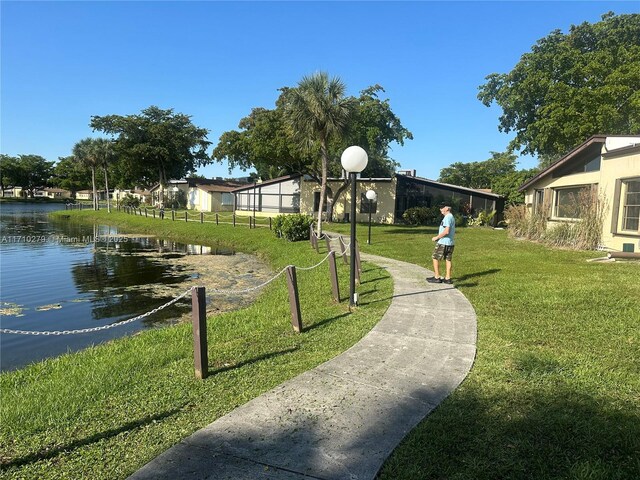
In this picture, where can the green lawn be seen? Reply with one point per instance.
(554, 392)
(555, 389)
(104, 412)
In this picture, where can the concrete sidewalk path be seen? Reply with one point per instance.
(342, 419)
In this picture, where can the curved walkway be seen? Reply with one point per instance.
(342, 419)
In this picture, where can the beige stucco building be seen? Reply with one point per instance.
(298, 194)
(608, 165)
(382, 210)
(211, 197)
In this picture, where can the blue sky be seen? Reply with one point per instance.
(63, 62)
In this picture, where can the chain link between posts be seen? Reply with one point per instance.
(155, 310)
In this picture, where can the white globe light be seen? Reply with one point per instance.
(371, 195)
(354, 159)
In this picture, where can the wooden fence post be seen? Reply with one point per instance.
(328, 241)
(311, 235)
(186, 218)
(199, 320)
(270, 224)
(333, 273)
(294, 300)
(173, 215)
(216, 219)
(201, 217)
(234, 219)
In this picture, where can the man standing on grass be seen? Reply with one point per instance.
(444, 245)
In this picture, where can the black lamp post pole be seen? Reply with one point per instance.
(352, 258)
(370, 207)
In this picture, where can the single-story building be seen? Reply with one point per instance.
(12, 192)
(173, 190)
(396, 195)
(301, 194)
(56, 193)
(211, 195)
(202, 194)
(88, 195)
(270, 197)
(144, 196)
(606, 164)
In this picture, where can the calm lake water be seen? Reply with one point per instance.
(62, 275)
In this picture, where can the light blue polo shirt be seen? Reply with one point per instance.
(447, 221)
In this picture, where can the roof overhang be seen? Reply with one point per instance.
(593, 143)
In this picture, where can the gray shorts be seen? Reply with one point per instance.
(442, 251)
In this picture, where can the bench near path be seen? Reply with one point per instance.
(342, 419)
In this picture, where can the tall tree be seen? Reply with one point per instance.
(571, 86)
(266, 142)
(155, 145)
(106, 157)
(71, 175)
(373, 126)
(87, 153)
(318, 110)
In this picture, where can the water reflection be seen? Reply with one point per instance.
(62, 275)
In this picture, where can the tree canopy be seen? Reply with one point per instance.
(274, 144)
(155, 145)
(71, 175)
(316, 112)
(497, 173)
(265, 142)
(479, 174)
(571, 86)
(27, 171)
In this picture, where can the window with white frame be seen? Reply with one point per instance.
(631, 205)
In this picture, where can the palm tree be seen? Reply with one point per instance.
(317, 110)
(106, 156)
(85, 152)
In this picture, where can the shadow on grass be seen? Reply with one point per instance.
(463, 280)
(326, 320)
(528, 433)
(213, 370)
(477, 274)
(420, 292)
(45, 455)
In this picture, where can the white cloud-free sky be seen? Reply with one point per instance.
(63, 62)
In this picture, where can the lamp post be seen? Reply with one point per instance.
(372, 197)
(354, 159)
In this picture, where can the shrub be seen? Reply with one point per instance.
(422, 215)
(582, 234)
(483, 219)
(277, 225)
(130, 201)
(293, 227)
(461, 220)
